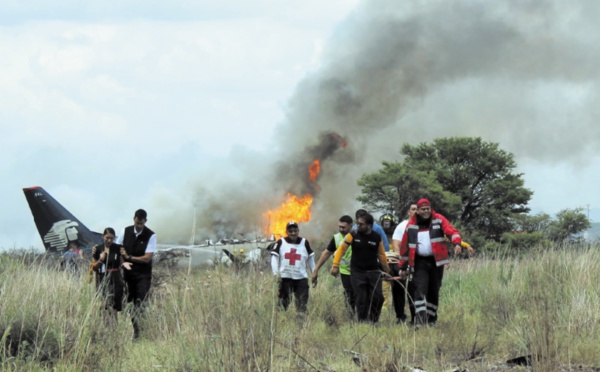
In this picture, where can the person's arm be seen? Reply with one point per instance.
(384, 241)
(383, 258)
(92, 265)
(379, 230)
(102, 258)
(324, 257)
(315, 273)
(328, 252)
(339, 253)
(275, 258)
(119, 239)
(121, 259)
(396, 245)
(311, 262)
(147, 257)
(454, 235)
(468, 247)
(403, 262)
(275, 263)
(311, 256)
(123, 263)
(398, 235)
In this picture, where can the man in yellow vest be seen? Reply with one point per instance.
(344, 226)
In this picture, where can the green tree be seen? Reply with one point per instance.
(568, 222)
(474, 179)
(525, 223)
(395, 187)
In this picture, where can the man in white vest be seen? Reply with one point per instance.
(289, 259)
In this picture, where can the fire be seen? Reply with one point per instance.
(293, 209)
(314, 170)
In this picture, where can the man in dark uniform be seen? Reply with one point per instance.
(368, 254)
(139, 246)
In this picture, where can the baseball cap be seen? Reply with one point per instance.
(291, 224)
(423, 202)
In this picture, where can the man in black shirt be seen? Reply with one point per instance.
(139, 245)
(368, 255)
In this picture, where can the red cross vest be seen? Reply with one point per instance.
(292, 260)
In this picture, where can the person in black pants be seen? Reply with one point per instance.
(423, 250)
(289, 259)
(109, 256)
(368, 254)
(400, 285)
(139, 246)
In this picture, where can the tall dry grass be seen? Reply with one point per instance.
(541, 305)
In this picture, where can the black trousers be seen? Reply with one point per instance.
(113, 290)
(349, 293)
(426, 283)
(369, 295)
(299, 287)
(138, 288)
(400, 290)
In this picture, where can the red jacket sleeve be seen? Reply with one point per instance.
(449, 230)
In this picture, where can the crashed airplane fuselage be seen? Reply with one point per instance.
(58, 228)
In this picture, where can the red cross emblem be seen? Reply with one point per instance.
(292, 256)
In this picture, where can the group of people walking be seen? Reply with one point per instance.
(413, 265)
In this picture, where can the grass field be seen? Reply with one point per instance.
(543, 305)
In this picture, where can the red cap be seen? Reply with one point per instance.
(423, 202)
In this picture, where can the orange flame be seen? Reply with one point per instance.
(314, 170)
(293, 209)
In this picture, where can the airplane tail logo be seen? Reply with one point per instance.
(56, 225)
(61, 233)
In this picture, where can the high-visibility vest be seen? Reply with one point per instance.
(345, 261)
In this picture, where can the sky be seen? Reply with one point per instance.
(206, 113)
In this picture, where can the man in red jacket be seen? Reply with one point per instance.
(424, 252)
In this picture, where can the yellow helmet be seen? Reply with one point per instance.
(241, 250)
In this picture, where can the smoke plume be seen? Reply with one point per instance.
(521, 73)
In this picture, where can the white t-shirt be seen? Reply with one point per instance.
(399, 231)
(424, 244)
(424, 241)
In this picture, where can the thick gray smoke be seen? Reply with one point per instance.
(521, 73)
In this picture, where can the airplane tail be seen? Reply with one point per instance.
(56, 225)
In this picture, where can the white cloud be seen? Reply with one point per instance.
(113, 105)
(91, 93)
